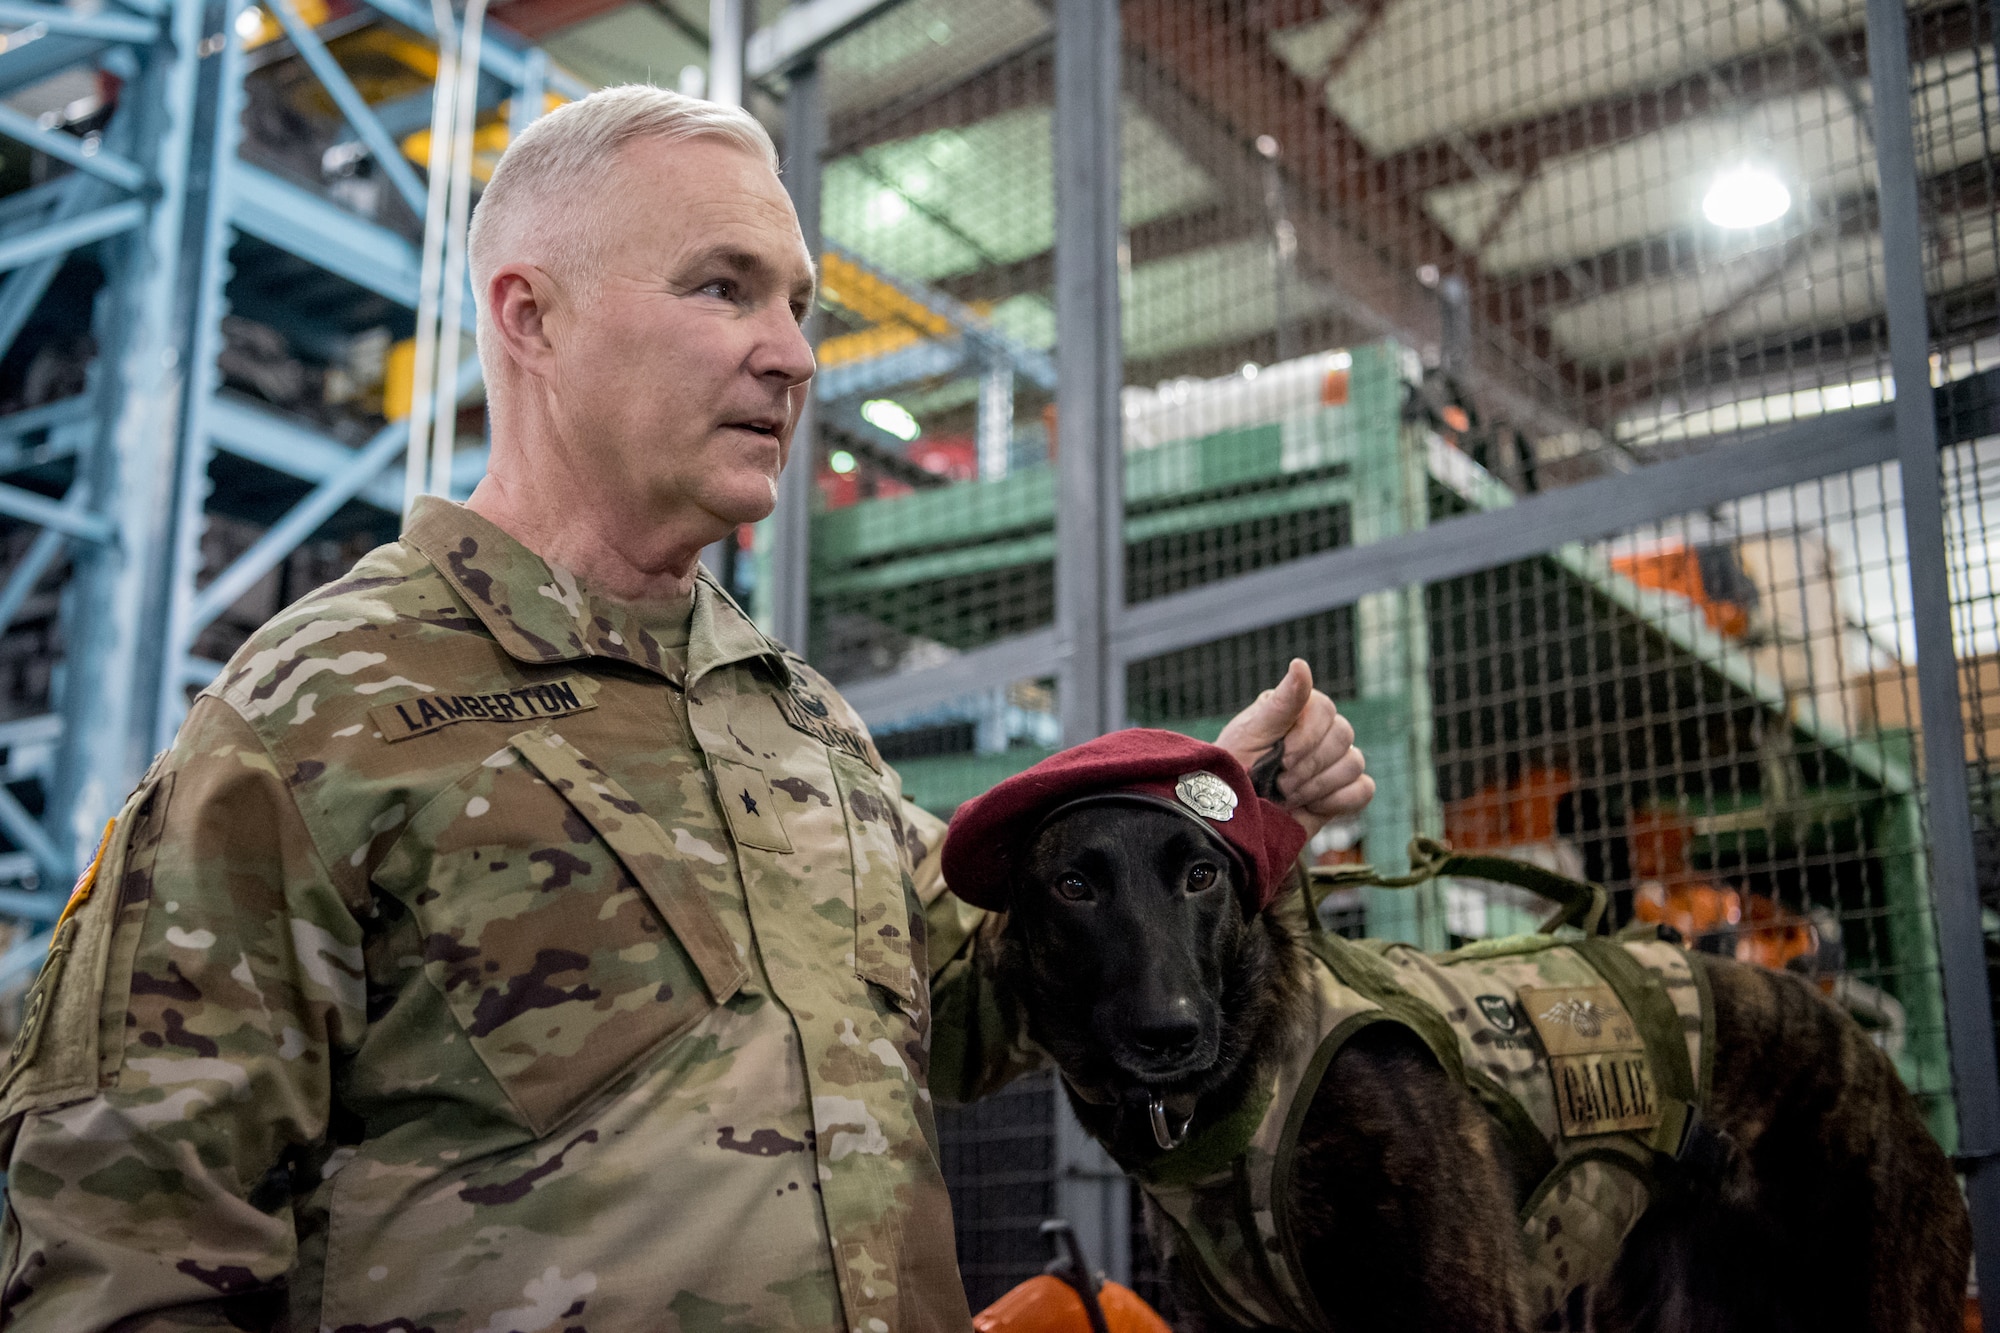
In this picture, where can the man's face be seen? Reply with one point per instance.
(682, 372)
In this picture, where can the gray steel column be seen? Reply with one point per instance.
(1968, 1015)
(1090, 502)
(728, 30)
(785, 592)
(995, 431)
(1092, 1195)
(1090, 474)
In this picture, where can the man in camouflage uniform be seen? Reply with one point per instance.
(515, 938)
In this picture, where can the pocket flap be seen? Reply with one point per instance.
(646, 851)
(882, 894)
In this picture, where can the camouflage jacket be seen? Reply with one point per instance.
(1542, 1031)
(480, 959)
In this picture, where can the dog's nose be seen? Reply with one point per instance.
(1166, 1036)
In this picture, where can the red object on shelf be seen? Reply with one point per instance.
(1340, 856)
(839, 489)
(1522, 812)
(1659, 840)
(953, 456)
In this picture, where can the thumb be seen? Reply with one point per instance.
(1276, 709)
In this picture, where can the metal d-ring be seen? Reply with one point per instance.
(1166, 1137)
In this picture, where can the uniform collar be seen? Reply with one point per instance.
(538, 612)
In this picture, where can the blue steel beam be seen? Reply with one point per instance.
(114, 626)
(305, 517)
(273, 440)
(217, 132)
(299, 222)
(64, 441)
(27, 572)
(26, 207)
(41, 553)
(24, 832)
(26, 62)
(106, 166)
(106, 27)
(35, 905)
(61, 237)
(74, 195)
(48, 416)
(352, 105)
(47, 513)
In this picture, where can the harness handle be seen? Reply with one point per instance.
(1579, 903)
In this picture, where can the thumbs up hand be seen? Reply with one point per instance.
(1324, 775)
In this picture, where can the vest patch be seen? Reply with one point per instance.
(425, 713)
(1498, 1012)
(1597, 1059)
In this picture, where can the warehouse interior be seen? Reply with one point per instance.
(1528, 367)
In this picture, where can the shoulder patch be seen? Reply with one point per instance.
(423, 714)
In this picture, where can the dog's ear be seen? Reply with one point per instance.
(1264, 773)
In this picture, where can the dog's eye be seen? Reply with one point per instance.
(1201, 877)
(1072, 888)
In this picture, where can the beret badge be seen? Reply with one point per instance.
(1207, 795)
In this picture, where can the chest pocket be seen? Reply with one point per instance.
(555, 923)
(884, 943)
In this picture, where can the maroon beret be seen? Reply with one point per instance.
(990, 834)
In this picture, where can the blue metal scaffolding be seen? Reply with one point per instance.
(123, 477)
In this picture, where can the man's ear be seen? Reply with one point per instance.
(522, 298)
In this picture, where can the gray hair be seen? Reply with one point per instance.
(530, 207)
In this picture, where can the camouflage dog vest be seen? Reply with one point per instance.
(1590, 1054)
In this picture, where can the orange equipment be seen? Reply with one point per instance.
(1522, 813)
(1747, 926)
(1050, 1305)
(1068, 1298)
(1677, 567)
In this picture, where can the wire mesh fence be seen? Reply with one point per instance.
(932, 373)
(1389, 266)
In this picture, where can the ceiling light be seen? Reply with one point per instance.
(841, 461)
(1746, 196)
(891, 416)
(249, 23)
(886, 208)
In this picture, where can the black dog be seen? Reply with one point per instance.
(1818, 1202)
